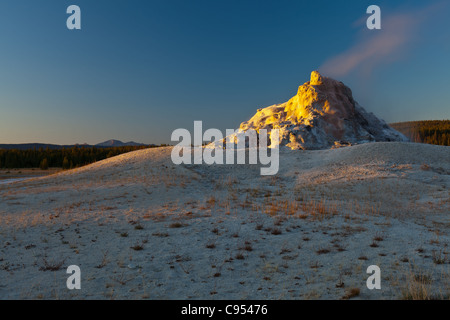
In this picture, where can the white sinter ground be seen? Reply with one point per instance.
(140, 227)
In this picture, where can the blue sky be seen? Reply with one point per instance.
(140, 69)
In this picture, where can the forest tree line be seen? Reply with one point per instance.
(431, 131)
(66, 158)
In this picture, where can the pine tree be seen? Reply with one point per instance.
(65, 164)
(44, 164)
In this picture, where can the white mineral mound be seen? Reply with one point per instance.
(322, 115)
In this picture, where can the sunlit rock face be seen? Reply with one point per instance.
(322, 115)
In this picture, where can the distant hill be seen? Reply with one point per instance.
(428, 131)
(37, 146)
(106, 144)
(118, 143)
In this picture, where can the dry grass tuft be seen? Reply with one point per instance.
(52, 265)
(176, 225)
(276, 231)
(323, 251)
(351, 293)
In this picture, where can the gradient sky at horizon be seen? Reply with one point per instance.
(140, 69)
